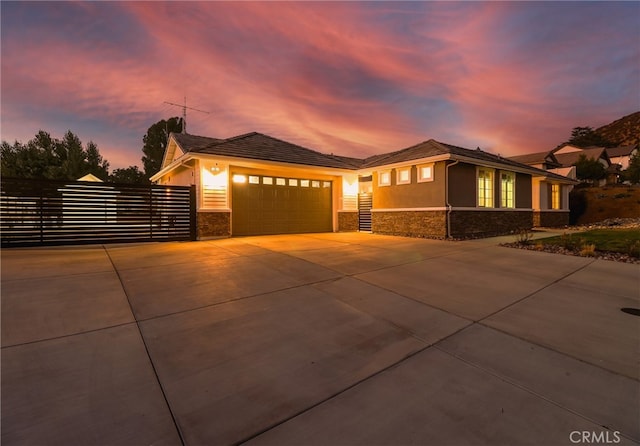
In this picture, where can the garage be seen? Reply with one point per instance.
(263, 205)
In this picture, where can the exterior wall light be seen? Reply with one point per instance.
(215, 169)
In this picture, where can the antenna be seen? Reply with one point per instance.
(184, 112)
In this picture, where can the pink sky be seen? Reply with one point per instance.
(355, 78)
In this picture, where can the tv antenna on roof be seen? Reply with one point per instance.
(184, 112)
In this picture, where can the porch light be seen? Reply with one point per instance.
(215, 169)
(237, 178)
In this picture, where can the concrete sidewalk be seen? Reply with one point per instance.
(346, 338)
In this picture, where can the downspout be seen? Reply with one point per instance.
(446, 193)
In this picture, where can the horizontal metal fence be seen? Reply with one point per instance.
(48, 212)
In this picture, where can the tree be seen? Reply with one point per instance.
(586, 137)
(589, 169)
(130, 175)
(46, 157)
(632, 173)
(97, 165)
(155, 143)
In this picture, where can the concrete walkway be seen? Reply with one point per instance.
(328, 339)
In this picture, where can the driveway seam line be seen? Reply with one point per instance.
(146, 348)
(526, 389)
(536, 291)
(69, 335)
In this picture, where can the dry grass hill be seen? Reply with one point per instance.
(622, 132)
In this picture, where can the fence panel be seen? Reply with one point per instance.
(48, 212)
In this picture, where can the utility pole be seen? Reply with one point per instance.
(184, 112)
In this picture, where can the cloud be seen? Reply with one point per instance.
(354, 78)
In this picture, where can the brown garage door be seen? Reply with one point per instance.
(280, 205)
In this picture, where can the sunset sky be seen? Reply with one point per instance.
(353, 78)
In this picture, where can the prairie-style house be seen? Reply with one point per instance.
(254, 184)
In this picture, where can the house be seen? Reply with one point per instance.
(621, 155)
(254, 184)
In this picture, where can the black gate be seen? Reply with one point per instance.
(51, 212)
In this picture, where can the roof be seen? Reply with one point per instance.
(266, 148)
(536, 158)
(620, 151)
(262, 147)
(433, 148)
(569, 159)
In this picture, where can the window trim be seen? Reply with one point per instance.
(422, 179)
(491, 199)
(383, 173)
(504, 200)
(400, 171)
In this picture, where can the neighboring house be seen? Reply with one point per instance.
(254, 184)
(622, 155)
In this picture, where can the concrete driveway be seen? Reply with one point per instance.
(329, 339)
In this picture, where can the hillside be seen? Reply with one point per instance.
(624, 131)
(595, 204)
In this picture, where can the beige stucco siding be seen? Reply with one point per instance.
(413, 195)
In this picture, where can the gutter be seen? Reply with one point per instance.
(446, 196)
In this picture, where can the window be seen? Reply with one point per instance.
(315, 184)
(293, 182)
(267, 180)
(555, 196)
(384, 178)
(403, 175)
(326, 184)
(485, 187)
(254, 180)
(304, 183)
(507, 189)
(425, 173)
(281, 182)
(237, 178)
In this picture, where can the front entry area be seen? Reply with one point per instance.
(263, 205)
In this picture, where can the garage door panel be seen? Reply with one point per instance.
(296, 206)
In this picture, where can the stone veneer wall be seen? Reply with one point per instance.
(214, 224)
(348, 221)
(472, 224)
(427, 224)
(550, 219)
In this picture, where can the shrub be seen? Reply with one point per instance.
(524, 237)
(588, 250)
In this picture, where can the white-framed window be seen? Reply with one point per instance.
(304, 183)
(384, 178)
(403, 175)
(267, 180)
(254, 179)
(425, 173)
(485, 187)
(507, 189)
(281, 182)
(293, 182)
(239, 178)
(555, 196)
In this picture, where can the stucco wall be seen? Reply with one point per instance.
(428, 224)
(471, 224)
(347, 221)
(414, 195)
(523, 191)
(550, 219)
(462, 185)
(214, 224)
